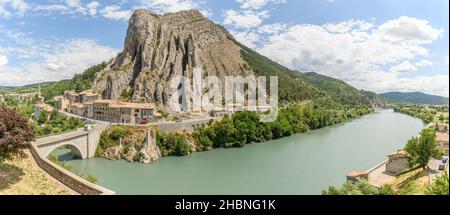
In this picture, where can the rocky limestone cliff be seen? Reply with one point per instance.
(151, 152)
(139, 146)
(159, 47)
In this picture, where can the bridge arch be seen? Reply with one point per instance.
(74, 149)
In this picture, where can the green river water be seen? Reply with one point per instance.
(300, 164)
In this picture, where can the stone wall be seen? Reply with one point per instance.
(66, 177)
(397, 165)
(179, 126)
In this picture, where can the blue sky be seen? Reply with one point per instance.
(378, 45)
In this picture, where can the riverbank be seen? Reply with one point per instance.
(22, 177)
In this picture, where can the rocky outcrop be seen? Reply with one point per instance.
(151, 152)
(160, 47)
(138, 146)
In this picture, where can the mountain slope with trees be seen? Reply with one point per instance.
(415, 98)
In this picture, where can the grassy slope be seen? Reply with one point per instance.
(22, 177)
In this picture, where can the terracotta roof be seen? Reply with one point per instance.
(441, 136)
(44, 106)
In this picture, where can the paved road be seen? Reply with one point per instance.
(434, 168)
(63, 136)
(190, 121)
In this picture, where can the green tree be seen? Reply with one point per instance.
(359, 188)
(43, 117)
(15, 133)
(439, 185)
(424, 148)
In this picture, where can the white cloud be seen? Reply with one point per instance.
(10, 7)
(434, 85)
(424, 63)
(407, 28)
(403, 68)
(116, 13)
(446, 60)
(92, 8)
(3, 60)
(244, 19)
(272, 28)
(170, 6)
(61, 62)
(257, 4)
(51, 8)
(250, 39)
(364, 55)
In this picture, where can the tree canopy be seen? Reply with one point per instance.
(15, 133)
(424, 148)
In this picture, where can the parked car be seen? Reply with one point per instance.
(444, 161)
(83, 119)
(88, 127)
(441, 167)
(144, 122)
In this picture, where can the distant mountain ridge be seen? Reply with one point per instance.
(415, 98)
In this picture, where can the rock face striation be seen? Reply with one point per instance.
(160, 47)
(151, 152)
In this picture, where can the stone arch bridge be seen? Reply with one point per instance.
(81, 143)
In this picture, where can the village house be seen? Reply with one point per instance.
(101, 109)
(88, 109)
(123, 112)
(72, 96)
(88, 96)
(39, 107)
(76, 108)
(61, 102)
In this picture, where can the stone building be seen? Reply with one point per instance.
(39, 107)
(88, 109)
(397, 162)
(76, 108)
(72, 96)
(88, 96)
(442, 142)
(123, 112)
(61, 102)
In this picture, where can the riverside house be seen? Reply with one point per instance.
(39, 107)
(89, 104)
(123, 112)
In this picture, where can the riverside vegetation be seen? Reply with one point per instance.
(425, 112)
(232, 131)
